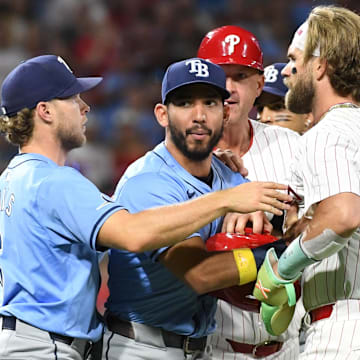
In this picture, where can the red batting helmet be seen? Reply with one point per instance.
(231, 45)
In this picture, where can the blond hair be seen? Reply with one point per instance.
(336, 31)
(18, 129)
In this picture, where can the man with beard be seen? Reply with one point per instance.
(271, 103)
(53, 220)
(266, 152)
(158, 306)
(323, 77)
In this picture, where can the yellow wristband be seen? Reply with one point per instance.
(246, 265)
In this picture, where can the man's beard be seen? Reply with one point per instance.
(69, 139)
(198, 153)
(299, 99)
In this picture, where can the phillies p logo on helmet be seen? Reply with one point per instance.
(232, 40)
(231, 45)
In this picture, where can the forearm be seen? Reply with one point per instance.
(215, 271)
(333, 222)
(165, 226)
(161, 226)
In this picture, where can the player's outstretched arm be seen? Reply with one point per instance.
(167, 225)
(333, 222)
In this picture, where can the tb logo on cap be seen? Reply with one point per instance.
(271, 74)
(198, 67)
(232, 40)
(62, 61)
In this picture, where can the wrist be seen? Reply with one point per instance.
(293, 261)
(246, 265)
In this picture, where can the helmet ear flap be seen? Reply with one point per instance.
(231, 45)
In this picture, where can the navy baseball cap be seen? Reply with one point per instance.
(193, 71)
(274, 81)
(41, 78)
(274, 88)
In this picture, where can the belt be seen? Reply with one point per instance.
(171, 339)
(9, 323)
(263, 349)
(322, 312)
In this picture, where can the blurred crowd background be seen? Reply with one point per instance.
(130, 43)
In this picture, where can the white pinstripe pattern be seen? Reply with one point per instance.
(328, 159)
(335, 338)
(268, 159)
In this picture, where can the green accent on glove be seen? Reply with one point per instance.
(270, 288)
(276, 318)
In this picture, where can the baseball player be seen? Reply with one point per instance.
(158, 307)
(52, 219)
(266, 152)
(323, 77)
(271, 103)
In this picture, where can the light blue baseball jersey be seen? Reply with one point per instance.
(50, 216)
(141, 288)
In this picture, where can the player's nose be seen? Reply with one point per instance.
(285, 72)
(230, 84)
(84, 107)
(199, 112)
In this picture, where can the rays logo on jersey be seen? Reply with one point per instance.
(232, 40)
(107, 200)
(198, 67)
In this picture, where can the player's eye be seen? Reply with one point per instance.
(240, 76)
(211, 102)
(182, 103)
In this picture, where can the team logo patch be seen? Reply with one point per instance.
(198, 67)
(232, 40)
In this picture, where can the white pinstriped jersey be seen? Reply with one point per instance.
(337, 337)
(268, 159)
(328, 163)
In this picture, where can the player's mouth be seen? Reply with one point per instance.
(231, 102)
(198, 133)
(287, 83)
(83, 126)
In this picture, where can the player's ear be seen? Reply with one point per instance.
(226, 113)
(320, 65)
(161, 114)
(260, 84)
(43, 111)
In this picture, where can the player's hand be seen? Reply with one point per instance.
(254, 196)
(236, 223)
(234, 162)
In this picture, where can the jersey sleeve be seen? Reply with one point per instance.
(150, 190)
(331, 166)
(72, 207)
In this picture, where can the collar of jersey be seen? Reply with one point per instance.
(164, 153)
(23, 157)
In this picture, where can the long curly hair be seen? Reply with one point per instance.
(18, 129)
